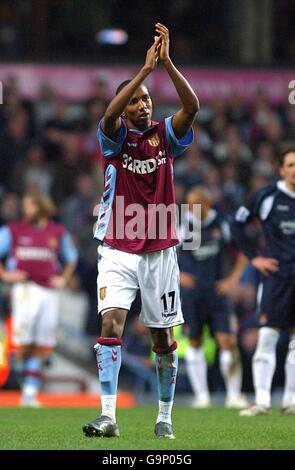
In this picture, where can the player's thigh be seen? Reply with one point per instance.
(117, 283)
(158, 277)
(45, 332)
(25, 303)
(193, 313)
(276, 306)
(113, 322)
(222, 315)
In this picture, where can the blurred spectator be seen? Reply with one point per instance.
(78, 209)
(290, 125)
(33, 173)
(9, 208)
(46, 105)
(72, 163)
(101, 89)
(265, 164)
(14, 144)
(232, 188)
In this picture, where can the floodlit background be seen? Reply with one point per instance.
(61, 61)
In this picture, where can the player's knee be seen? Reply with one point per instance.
(111, 328)
(227, 342)
(195, 342)
(267, 340)
(162, 338)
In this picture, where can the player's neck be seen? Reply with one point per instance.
(290, 186)
(40, 223)
(136, 127)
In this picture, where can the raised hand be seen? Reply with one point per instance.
(164, 42)
(152, 55)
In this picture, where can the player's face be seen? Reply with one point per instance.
(202, 201)
(288, 170)
(139, 110)
(30, 209)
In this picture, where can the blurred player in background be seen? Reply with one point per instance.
(34, 247)
(274, 207)
(138, 155)
(205, 300)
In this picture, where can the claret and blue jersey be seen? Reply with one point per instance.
(36, 250)
(137, 166)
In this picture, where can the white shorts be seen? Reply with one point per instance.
(34, 314)
(156, 275)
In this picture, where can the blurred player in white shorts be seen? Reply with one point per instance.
(34, 247)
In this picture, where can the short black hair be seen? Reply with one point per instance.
(122, 85)
(284, 153)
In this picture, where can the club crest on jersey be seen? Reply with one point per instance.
(102, 292)
(154, 140)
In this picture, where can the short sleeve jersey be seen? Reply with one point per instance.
(137, 211)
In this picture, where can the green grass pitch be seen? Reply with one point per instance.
(214, 428)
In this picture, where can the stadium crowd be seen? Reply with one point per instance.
(50, 145)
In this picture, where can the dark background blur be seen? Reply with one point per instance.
(248, 32)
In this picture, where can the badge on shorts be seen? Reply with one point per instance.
(102, 292)
(154, 140)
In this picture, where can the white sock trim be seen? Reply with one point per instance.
(165, 411)
(108, 406)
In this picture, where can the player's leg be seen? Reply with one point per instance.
(196, 365)
(231, 369)
(108, 356)
(288, 403)
(275, 301)
(44, 332)
(26, 303)
(166, 367)
(158, 277)
(223, 325)
(29, 373)
(117, 287)
(32, 375)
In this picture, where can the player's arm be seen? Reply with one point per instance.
(69, 255)
(227, 285)
(5, 249)
(243, 216)
(112, 120)
(184, 117)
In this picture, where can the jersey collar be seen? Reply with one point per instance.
(148, 129)
(281, 185)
